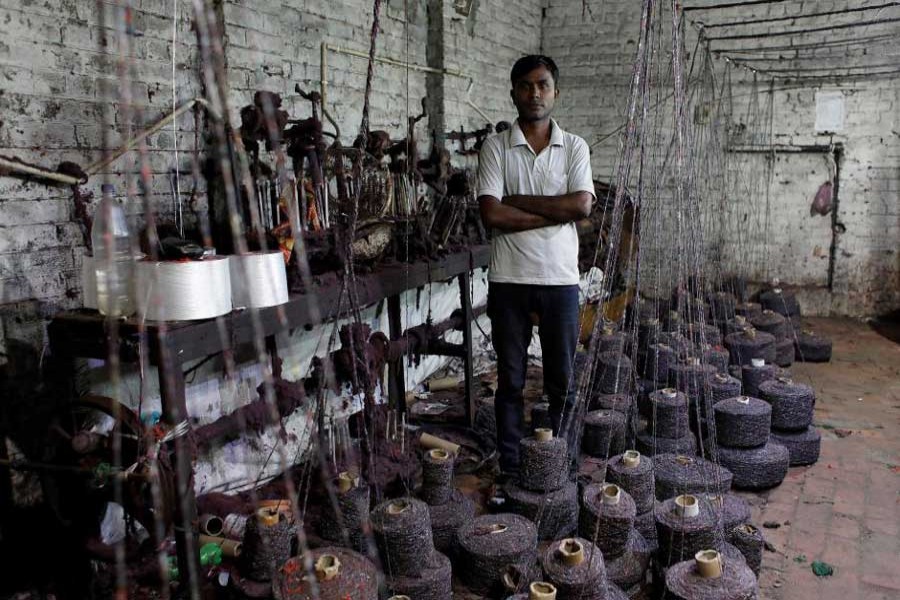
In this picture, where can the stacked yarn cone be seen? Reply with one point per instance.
(744, 444)
(782, 302)
(749, 344)
(575, 567)
(339, 573)
(492, 546)
(668, 428)
(412, 566)
(352, 523)
(543, 491)
(812, 347)
(614, 373)
(710, 575)
(634, 474)
(448, 507)
(693, 377)
(780, 328)
(754, 374)
(625, 407)
(607, 519)
(792, 415)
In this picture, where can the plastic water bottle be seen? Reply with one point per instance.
(113, 258)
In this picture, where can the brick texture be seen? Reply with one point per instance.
(595, 43)
(64, 64)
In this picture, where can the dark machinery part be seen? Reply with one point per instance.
(80, 441)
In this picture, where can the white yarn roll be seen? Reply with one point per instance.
(89, 282)
(258, 279)
(184, 291)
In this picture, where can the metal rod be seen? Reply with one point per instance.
(830, 77)
(323, 73)
(11, 165)
(133, 142)
(733, 5)
(824, 44)
(753, 36)
(819, 69)
(394, 62)
(828, 13)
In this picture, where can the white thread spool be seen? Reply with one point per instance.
(258, 279)
(184, 290)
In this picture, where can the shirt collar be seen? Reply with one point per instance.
(517, 138)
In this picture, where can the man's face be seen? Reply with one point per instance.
(534, 94)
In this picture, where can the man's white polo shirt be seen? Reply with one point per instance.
(508, 166)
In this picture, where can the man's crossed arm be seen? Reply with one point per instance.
(523, 212)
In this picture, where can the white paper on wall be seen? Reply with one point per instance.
(829, 112)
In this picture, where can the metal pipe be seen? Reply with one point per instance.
(394, 62)
(11, 165)
(323, 72)
(828, 13)
(133, 142)
(732, 5)
(827, 28)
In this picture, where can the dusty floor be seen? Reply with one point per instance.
(844, 510)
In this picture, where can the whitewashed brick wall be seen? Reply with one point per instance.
(594, 48)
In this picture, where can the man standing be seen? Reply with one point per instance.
(534, 182)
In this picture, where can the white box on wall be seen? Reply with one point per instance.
(829, 112)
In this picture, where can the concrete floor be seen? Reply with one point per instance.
(845, 509)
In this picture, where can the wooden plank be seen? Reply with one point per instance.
(81, 332)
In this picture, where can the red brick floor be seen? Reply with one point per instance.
(844, 510)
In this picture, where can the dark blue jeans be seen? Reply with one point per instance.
(510, 308)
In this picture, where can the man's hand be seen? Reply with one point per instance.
(508, 218)
(559, 209)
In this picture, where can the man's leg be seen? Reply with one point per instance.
(559, 339)
(508, 308)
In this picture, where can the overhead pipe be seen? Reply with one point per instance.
(323, 72)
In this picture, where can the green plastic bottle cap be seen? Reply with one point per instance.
(210, 554)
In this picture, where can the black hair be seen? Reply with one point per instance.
(527, 64)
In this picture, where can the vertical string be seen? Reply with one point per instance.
(179, 217)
